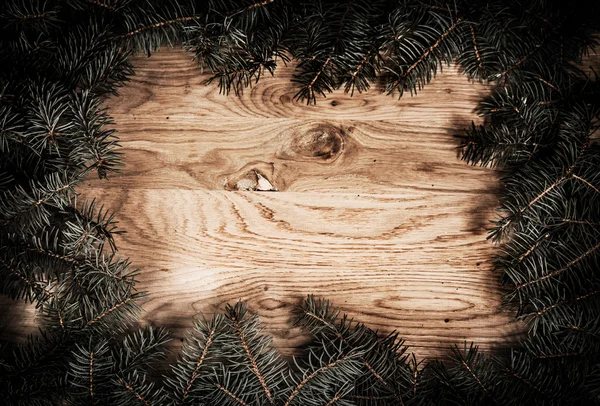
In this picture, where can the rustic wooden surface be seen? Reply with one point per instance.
(373, 208)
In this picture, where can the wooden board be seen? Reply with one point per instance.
(373, 208)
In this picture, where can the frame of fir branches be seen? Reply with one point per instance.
(60, 57)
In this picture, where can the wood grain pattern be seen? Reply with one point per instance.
(372, 208)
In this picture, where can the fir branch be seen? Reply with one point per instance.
(231, 395)
(580, 330)
(479, 62)
(251, 358)
(465, 364)
(594, 188)
(30, 285)
(252, 6)
(91, 374)
(64, 258)
(161, 24)
(200, 352)
(524, 380)
(296, 390)
(103, 5)
(110, 310)
(429, 50)
(359, 67)
(209, 341)
(339, 395)
(319, 73)
(531, 249)
(30, 208)
(359, 76)
(554, 356)
(375, 374)
(575, 221)
(560, 270)
(131, 389)
(521, 61)
(565, 302)
(34, 16)
(319, 311)
(569, 174)
(550, 85)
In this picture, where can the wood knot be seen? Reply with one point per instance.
(323, 142)
(252, 180)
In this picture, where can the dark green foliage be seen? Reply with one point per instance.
(59, 58)
(239, 41)
(192, 377)
(384, 371)
(116, 373)
(418, 41)
(336, 43)
(248, 355)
